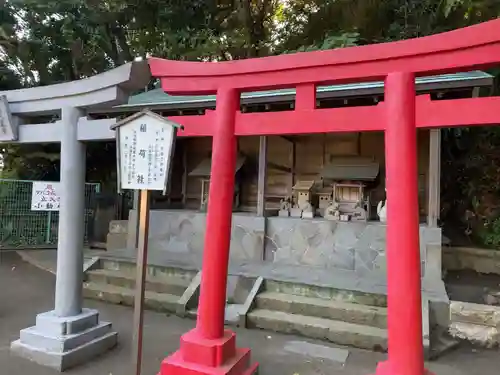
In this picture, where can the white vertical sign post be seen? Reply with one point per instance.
(144, 148)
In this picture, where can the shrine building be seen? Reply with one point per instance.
(309, 233)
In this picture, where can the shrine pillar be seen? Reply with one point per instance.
(68, 298)
(404, 320)
(69, 334)
(211, 307)
(209, 349)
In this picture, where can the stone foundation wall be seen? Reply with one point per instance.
(340, 255)
(466, 258)
(349, 246)
(183, 232)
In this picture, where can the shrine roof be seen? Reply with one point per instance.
(351, 168)
(158, 98)
(203, 169)
(303, 185)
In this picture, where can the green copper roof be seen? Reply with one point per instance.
(157, 97)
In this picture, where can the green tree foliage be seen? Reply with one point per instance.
(44, 42)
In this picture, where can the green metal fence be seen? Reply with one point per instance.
(22, 227)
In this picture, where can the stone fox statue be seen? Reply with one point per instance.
(382, 211)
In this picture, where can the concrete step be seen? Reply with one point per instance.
(481, 335)
(168, 285)
(372, 316)
(338, 332)
(125, 296)
(474, 313)
(326, 292)
(130, 267)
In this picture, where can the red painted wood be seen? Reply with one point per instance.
(470, 48)
(212, 301)
(208, 349)
(404, 306)
(460, 50)
(305, 98)
(430, 114)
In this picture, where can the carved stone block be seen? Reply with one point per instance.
(296, 212)
(307, 214)
(284, 213)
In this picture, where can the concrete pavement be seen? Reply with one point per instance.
(26, 291)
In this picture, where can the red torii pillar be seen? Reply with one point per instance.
(404, 318)
(209, 349)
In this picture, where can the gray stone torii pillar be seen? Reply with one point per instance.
(70, 334)
(68, 299)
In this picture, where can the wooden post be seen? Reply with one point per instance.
(261, 190)
(145, 143)
(434, 196)
(142, 263)
(136, 207)
(184, 173)
(292, 169)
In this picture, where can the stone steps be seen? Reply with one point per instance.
(303, 312)
(115, 283)
(326, 293)
(129, 267)
(372, 316)
(125, 296)
(338, 332)
(479, 324)
(475, 314)
(168, 285)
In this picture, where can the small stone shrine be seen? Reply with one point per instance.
(202, 171)
(324, 200)
(285, 207)
(302, 200)
(350, 177)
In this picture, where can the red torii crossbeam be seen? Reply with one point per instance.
(209, 349)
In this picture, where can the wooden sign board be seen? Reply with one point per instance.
(144, 151)
(145, 147)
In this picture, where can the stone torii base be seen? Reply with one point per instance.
(200, 356)
(64, 342)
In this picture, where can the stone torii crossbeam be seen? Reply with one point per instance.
(209, 348)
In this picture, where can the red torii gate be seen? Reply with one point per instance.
(209, 349)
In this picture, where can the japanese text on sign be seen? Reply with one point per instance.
(45, 196)
(145, 148)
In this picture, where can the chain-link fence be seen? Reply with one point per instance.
(22, 227)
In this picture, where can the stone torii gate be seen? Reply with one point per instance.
(209, 349)
(69, 334)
